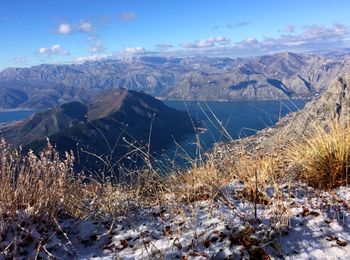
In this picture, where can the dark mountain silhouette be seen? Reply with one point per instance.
(105, 126)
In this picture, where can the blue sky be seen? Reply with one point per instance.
(57, 31)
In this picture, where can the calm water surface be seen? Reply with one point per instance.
(239, 118)
(9, 116)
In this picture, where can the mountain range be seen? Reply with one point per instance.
(278, 76)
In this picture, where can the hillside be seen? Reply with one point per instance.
(277, 76)
(46, 123)
(109, 126)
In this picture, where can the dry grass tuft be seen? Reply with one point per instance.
(324, 156)
(110, 200)
(36, 191)
(201, 182)
(256, 173)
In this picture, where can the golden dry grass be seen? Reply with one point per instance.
(46, 186)
(323, 157)
(41, 185)
(256, 172)
(202, 181)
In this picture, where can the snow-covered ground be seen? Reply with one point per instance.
(309, 224)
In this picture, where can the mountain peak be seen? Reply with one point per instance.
(106, 103)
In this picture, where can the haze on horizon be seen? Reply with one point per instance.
(59, 31)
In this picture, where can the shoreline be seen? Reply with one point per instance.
(233, 100)
(4, 110)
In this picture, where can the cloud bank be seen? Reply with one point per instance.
(308, 38)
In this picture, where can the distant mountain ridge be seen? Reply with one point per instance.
(38, 94)
(106, 126)
(277, 76)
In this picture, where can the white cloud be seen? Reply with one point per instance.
(94, 57)
(64, 28)
(87, 58)
(135, 50)
(207, 43)
(311, 38)
(97, 48)
(95, 45)
(85, 27)
(314, 35)
(250, 41)
(55, 49)
(127, 16)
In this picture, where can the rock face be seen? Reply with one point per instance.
(106, 126)
(282, 75)
(333, 104)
